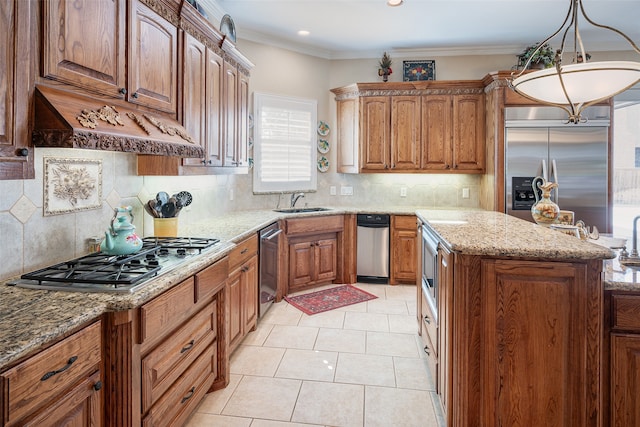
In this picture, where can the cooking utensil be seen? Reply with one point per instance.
(161, 198)
(183, 198)
(169, 209)
(150, 207)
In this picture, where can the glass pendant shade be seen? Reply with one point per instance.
(584, 82)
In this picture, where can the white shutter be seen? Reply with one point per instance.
(285, 140)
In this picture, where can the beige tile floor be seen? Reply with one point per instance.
(356, 366)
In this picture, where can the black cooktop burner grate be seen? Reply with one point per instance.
(189, 243)
(100, 268)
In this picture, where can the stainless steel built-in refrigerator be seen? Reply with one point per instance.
(538, 142)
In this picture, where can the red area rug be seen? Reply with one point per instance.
(328, 299)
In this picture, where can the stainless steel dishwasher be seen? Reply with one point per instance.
(373, 248)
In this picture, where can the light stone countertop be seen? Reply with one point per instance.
(31, 318)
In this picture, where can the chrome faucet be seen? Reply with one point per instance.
(295, 197)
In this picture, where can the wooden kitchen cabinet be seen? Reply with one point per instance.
(416, 127)
(243, 291)
(16, 88)
(622, 359)
(313, 247)
(61, 384)
(403, 249)
(165, 355)
(103, 53)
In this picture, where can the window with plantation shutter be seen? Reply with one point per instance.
(285, 144)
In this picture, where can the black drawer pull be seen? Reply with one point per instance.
(188, 347)
(64, 368)
(97, 386)
(188, 395)
(244, 251)
(427, 320)
(426, 350)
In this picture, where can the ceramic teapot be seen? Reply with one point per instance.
(121, 238)
(544, 211)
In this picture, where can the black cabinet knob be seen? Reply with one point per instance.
(97, 386)
(135, 95)
(22, 152)
(123, 91)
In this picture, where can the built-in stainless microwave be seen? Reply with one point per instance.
(430, 269)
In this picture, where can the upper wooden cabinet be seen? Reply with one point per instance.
(85, 46)
(16, 88)
(435, 126)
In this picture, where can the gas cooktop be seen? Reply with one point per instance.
(99, 272)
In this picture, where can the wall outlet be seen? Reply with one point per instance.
(403, 191)
(346, 190)
(465, 193)
(231, 194)
(332, 190)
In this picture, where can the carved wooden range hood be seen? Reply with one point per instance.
(69, 120)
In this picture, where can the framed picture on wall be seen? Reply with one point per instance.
(418, 70)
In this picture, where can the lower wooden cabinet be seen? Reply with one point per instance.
(403, 249)
(243, 291)
(622, 378)
(165, 355)
(58, 386)
(314, 248)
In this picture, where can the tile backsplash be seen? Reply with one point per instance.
(31, 240)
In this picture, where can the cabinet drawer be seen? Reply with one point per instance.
(429, 325)
(50, 373)
(626, 312)
(210, 280)
(245, 250)
(163, 313)
(185, 394)
(405, 222)
(171, 358)
(315, 224)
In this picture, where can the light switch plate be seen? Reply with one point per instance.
(403, 191)
(465, 193)
(332, 190)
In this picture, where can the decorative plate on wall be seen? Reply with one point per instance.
(323, 128)
(228, 28)
(323, 164)
(323, 146)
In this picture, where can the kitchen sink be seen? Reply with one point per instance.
(300, 210)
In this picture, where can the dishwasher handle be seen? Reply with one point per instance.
(271, 235)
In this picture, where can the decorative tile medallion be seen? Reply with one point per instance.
(418, 70)
(72, 185)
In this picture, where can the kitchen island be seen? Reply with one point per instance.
(518, 339)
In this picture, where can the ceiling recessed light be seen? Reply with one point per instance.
(395, 2)
(303, 33)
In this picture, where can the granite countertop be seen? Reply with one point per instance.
(30, 318)
(497, 234)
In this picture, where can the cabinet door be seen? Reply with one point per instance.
(625, 380)
(16, 158)
(348, 136)
(436, 132)
(84, 44)
(405, 132)
(235, 308)
(468, 133)
(403, 250)
(326, 262)
(250, 294)
(215, 108)
(526, 319)
(194, 98)
(230, 154)
(375, 129)
(301, 259)
(80, 407)
(243, 120)
(153, 56)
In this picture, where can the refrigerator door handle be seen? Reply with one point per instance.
(554, 171)
(544, 170)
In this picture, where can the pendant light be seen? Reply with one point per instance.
(575, 85)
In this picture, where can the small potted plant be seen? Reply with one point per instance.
(544, 57)
(385, 67)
